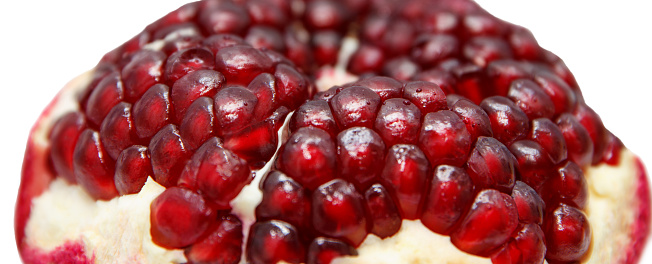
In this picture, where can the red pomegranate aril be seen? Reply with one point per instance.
(92, 166)
(529, 204)
(444, 139)
(429, 49)
(385, 87)
(117, 130)
(528, 246)
(401, 68)
(197, 125)
(152, 111)
(440, 21)
(100, 72)
(179, 218)
(292, 87)
(255, 143)
(534, 164)
(491, 165)
(234, 109)
(184, 41)
(550, 137)
(222, 245)
(284, 199)
(489, 224)
(476, 120)
(559, 92)
(508, 122)
(223, 17)
(613, 149)
(241, 64)
(309, 157)
(324, 14)
(298, 50)
(219, 41)
(524, 45)
(483, 50)
(398, 38)
(326, 45)
(578, 141)
(502, 73)
(450, 194)
(384, 216)
(168, 154)
(192, 86)
(471, 81)
(267, 13)
(443, 79)
(132, 169)
(108, 92)
(219, 174)
(366, 59)
(482, 24)
(406, 176)
(188, 60)
(338, 211)
(398, 122)
(323, 250)
(567, 185)
(530, 98)
(265, 37)
(427, 96)
(355, 106)
(274, 241)
(567, 233)
(143, 71)
(593, 124)
(315, 113)
(359, 149)
(264, 88)
(63, 138)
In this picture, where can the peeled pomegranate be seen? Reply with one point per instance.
(329, 131)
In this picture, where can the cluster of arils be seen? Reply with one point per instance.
(475, 130)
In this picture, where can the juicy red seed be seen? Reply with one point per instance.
(323, 250)
(143, 71)
(398, 122)
(524, 45)
(278, 117)
(265, 37)
(593, 124)
(490, 223)
(398, 38)
(385, 87)
(326, 45)
(241, 64)
(264, 87)
(444, 139)
(101, 71)
(234, 109)
(298, 51)
(355, 106)
(181, 15)
(437, 20)
(401, 68)
(482, 24)
(175, 31)
(324, 14)
(534, 164)
(483, 50)
(292, 87)
(92, 166)
(528, 246)
(223, 244)
(117, 130)
(338, 211)
(315, 114)
(578, 141)
(105, 95)
(471, 82)
(284, 199)
(530, 98)
(427, 96)
(223, 17)
(63, 139)
(255, 143)
(374, 27)
(612, 150)
(219, 41)
(359, 150)
(219, 174)
(503, 72)
(550, 137)
(529, 204)
(450, 194)
(179, 218)
(152, 111)
(309, 157)
(568, 234)
(567, 185)
(406, 175)
(197, 125)
(559, 92)
(491, 165)
(132, 169)
(168, 154)
(508, 122)
(192, 86)
(184, 41)
(476, 120)
(185, 61)
(266, 13)
(383, 213)
(272, 242)
(366, 59)
(429, 49)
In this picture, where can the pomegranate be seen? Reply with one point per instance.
(329, 131)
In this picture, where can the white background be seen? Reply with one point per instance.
(44, 44)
